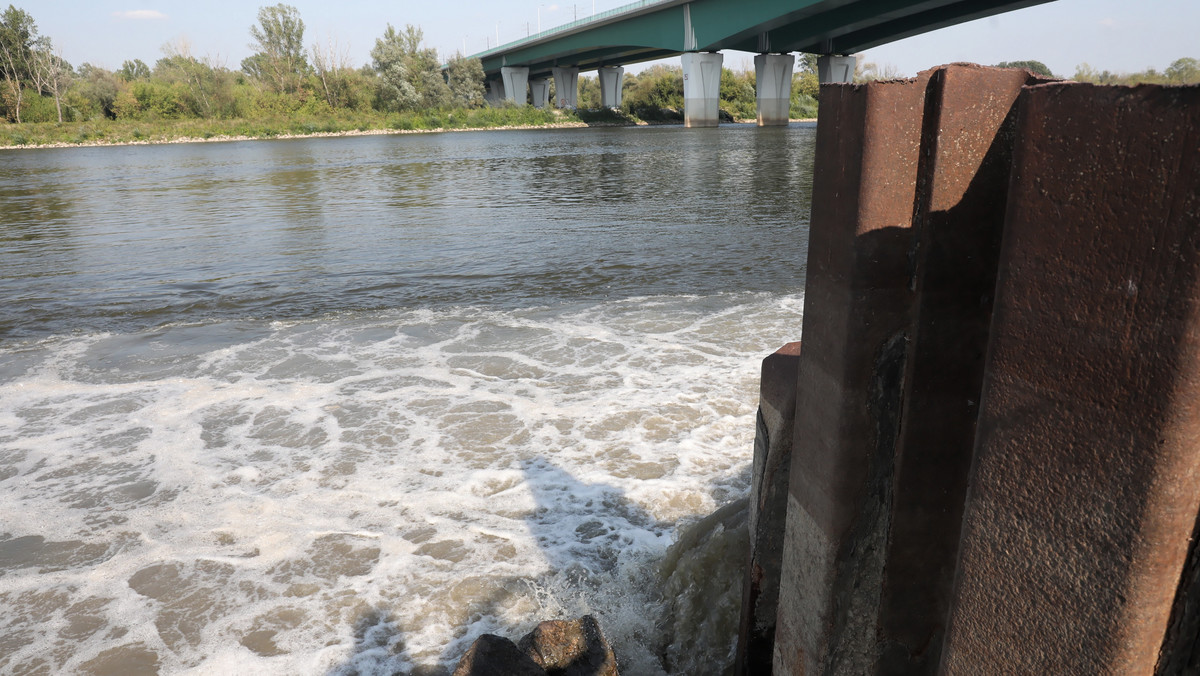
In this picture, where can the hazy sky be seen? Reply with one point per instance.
(1116, 35)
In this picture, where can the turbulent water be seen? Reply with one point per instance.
(341, 405)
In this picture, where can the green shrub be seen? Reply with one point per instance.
(36, 108)
(803, 107)
(158, 99)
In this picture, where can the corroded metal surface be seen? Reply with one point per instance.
(1087, 478)
(768, 509)
(856, 314)
(962, 186)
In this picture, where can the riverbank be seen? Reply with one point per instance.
(219, 138)
(133, 133)
(148, 132)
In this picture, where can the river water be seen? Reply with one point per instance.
(341, 405)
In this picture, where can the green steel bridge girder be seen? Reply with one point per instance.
(663, 29)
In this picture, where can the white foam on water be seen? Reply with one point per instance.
(365, 493)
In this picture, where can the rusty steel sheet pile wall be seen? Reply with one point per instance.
(1087, 477)
(768, 508)
(958, 216)
(856, 313)
(996, 452)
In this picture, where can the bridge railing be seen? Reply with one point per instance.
(571, 25)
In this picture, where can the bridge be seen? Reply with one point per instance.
(699, 29)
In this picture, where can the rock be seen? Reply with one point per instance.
(492, 655)
(570, 648)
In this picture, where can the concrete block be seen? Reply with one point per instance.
(539, 92)
(701, 88)
(1086, 482)
(832, 68)
(768, 509)
(566, 86)
(773, 88)
(612, 79)
(494, 92)
(516, 84)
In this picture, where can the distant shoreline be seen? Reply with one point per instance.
(223, 138)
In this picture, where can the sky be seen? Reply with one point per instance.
(1116, 35)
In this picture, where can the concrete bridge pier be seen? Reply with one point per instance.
(702, 88)
(773, 80)
(566, 86)
(516, 83)
(833, 68)
(611, 79)
(494, 92)
(539, 91)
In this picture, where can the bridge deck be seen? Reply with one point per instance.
(653, 29)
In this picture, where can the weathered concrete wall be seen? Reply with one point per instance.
(979, 488)
(1087, 479)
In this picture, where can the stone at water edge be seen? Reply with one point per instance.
(492, 655)
(553, 648)
(571, 648)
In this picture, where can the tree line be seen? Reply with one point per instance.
(1181, 71)
(283, 76)
(287, 77)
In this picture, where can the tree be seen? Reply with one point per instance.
(807, 63)
(1035, 66)
(95, 91)
(330, 65)
(134, 70)
(18, 33)
(207, 84)
(869, 71)
(409, 77)
(659, 88)
(279, 39)
(465, 79)
(737, 94)
(396, 90)
(1184, 71)
(51, 73)
(805, 82)
(589, 92)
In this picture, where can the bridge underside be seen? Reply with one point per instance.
(665, 29)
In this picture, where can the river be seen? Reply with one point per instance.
(340, 405)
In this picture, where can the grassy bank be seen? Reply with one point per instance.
(105, 131)
(122, 132)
